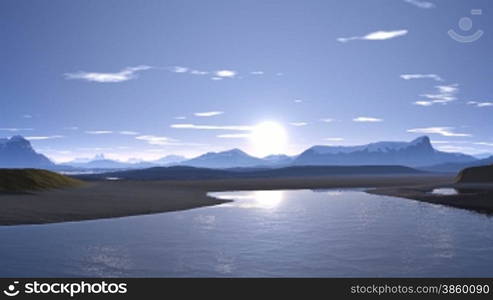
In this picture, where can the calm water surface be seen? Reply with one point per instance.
(263, 233)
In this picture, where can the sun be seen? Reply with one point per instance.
(269, 138)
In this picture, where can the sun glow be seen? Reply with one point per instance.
(269, 138)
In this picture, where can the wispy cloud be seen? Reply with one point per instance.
(197, 72)
(226, 73)
(98, 131)
(257, 73)
(298, 100)
(71, 128)
(484, 144)
(27, 116)
(298, 124)
(180, 118)
(12, 129)
(39, 138)
(444, 131)
(443, 95)
(375, 36)
(327, 120)
(234, 136)
(367, 119)
(211, 127)
(178, 69)
(421, 76)
(208, 113)
(480, 104)
(421, 4)
(128, 132)
(124, 75)
(423, 103)
(155, 140)
(334, 139)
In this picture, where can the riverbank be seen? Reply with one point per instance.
(477, 197)
(109, 199)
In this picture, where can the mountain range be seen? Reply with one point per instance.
(417, 153)
(17, 152)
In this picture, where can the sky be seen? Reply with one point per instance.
(144, 79)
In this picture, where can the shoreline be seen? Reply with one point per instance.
(112, 199)
(475, 197)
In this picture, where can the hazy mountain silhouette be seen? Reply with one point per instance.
(100, 162)
(17, 152)
(192, 173)
(169, 160)
(456, 167)
(418, 152)
(225, 159)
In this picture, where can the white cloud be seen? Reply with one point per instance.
(98, 131)
(234, 136)
(298, 100)
(197, 72)
(443, 95)
(298, 124)
(178, 69)
(444, 131)
(423, 103)
(40, 138)
(128, 132)
(480, 104)
(257, 73)
(180, 118)
(124, 75)
(216, 78)
(421, 76)
(208, 113)
(11, 129)
(421, 4)
(211, 127)
(375, 36)
(335, 139)
(226, 73)
(367, 119)
(155, 140)
(327, 120)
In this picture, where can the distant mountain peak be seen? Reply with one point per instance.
(418, 152)
(421, 140)
(17, 152)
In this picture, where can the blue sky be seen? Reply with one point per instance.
(148, 78)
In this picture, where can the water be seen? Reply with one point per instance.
(445, 191)
(329, 233)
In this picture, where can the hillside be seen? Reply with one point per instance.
(483, 174)
(191, 173)
(15, 180)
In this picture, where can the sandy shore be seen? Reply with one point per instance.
(108, 199)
